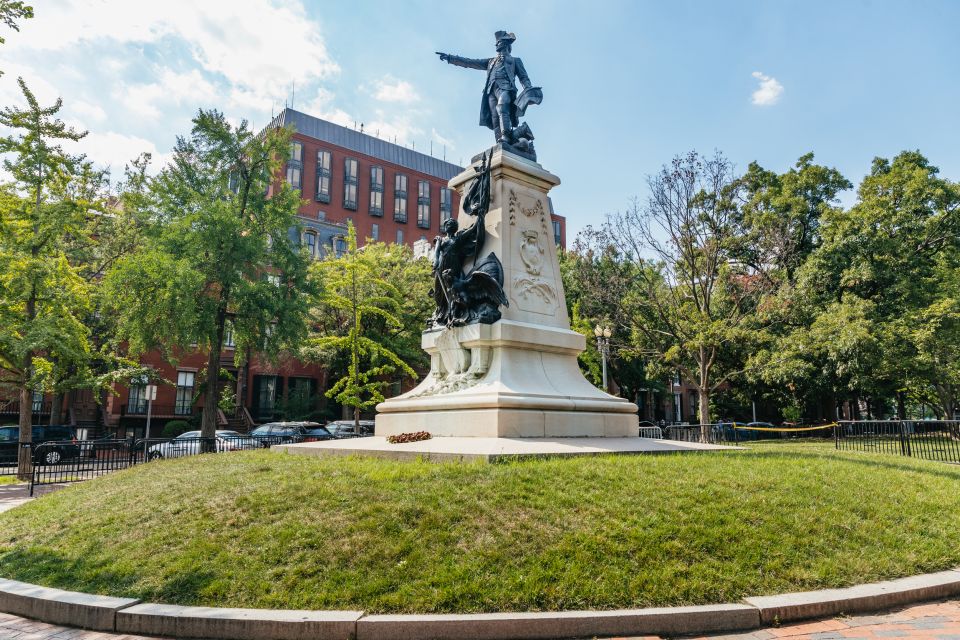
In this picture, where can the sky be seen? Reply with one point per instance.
(627, 85)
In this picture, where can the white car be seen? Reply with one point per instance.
(190, 443)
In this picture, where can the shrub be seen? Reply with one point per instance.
(175, 427)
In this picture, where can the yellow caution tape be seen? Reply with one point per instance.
(748, 428)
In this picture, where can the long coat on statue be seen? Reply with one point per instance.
(513, 69)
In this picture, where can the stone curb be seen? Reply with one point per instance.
(865, 597)
(562, 624)
(127, 615)
(55, 606)
(250, 624)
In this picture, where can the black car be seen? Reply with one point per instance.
(346, 428)
(282, 432)
(66, 447)
(317, 434)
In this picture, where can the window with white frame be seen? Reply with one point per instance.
(399, 236)
(185, 385)
(310, 242)
(229, 340)
(137, 402)
(375, 232)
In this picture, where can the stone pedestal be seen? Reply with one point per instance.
(518, 377)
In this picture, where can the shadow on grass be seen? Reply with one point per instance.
(936, 467)
(93, 576)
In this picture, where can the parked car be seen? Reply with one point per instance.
(66, 447)
(282, 432)
(190, 443)
(318, 434)
(346, 428)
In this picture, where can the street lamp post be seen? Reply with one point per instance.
(603, 346)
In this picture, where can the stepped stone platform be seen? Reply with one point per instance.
(445, 449)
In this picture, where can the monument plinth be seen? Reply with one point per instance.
(517, 377)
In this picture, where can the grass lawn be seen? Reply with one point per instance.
(263, 529)
(8, 480)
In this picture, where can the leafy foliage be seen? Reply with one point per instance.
(361, 309)
(219, 245)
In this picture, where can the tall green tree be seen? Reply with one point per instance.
(696, 301)
(10, 12)
(358, 313)
(43, 298)
(220, 247)
(882, 272)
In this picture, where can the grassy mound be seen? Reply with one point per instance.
(262, 529)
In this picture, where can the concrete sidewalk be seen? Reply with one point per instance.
(14, 495)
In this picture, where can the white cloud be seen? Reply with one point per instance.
(114, 150)
(253, 44)
(390, 89)
(441, 140)
(87, 112)
(769, 91)
(321, 106)
(171, 87)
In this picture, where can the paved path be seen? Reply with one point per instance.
(932, 621)
(14, 495)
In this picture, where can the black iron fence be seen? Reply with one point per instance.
(734, 433)
(75, 460)
(927, 439)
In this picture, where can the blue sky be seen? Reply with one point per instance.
(627, 85)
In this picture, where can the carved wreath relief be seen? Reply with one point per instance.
(532, 291)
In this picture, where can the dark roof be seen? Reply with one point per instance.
(368, 145)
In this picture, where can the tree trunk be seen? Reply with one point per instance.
(208, 421)
(25, 451)
(56, 409)
(704, 394)
(901, 405)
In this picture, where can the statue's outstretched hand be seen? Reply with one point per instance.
(444, 57)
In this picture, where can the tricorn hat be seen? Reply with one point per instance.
(503, 35)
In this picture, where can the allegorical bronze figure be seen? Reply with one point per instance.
(474, 296)
(501, 108)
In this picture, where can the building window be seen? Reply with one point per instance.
(446, 204)
(229, 341)
(400, 198)
(324, 161)
(677, 402)
(556, 233)
(233, 182)
(266, 396)
(376, 191)
(273, 279)
(310, 240)
(339, 246)
(184, 404)
(137, 402)
(375, 232)
(399, 236)
(295, 165)
(350, 170)
(36, 402)
(423, 204)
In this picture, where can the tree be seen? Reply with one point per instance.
(10, 12)
(871, 321)
(600, 281)
(43, 298)
(220, 247)
(696, 300)
(355, 312)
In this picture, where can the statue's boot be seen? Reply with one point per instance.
(506, 127)
(523, 131)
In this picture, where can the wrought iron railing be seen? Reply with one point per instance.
(926, 439)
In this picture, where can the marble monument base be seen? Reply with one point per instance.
(507, 380)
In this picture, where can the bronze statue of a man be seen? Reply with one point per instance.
(501, 108)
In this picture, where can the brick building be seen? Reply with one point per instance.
(389, 192)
